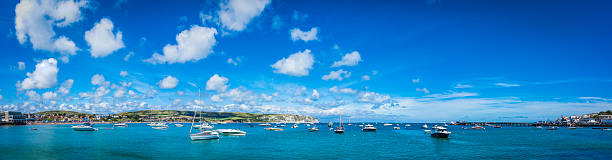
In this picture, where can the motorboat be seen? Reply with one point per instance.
(478, 127)
(539, 127)
(161, 127)
(265, 124)
(571, 127)
(204, 135)
(441, 132)
(178, 125)
(282, 125)
(203, 126)
(294, 126)
(452, 123)
(231, 132)
(369, 127)
(157, 124)
(427, 131)
(396, 128)
(387, 124)
(33, 128)
(552, 128)
(424, 126)
(84, 127)
(313, 129)
(407, 125)
(120, 125)
(605, 129)
(273, 129)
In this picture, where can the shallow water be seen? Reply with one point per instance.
(139, 141)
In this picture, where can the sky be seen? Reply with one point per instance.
(399, 60)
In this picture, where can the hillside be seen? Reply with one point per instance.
(220, 116)
(61, 113)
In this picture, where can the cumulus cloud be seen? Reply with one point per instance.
(297, 64)
(372, 97)
(335, 89)
(65, 87)
(21, 66)
(216, 98)
(315, 95)
(123, 73)
(365, 77)
(168, 83)
(507, 84)
(33, 95)
(102, 40)
(49, 95)
(297, 34)
(349, 59)
(98, 79)
(45, 75)
(266, 97)
(416, 80)
(217, 83)
(35, 21)
(235, 15)
(193, 44)
(234, 61)
(336, 75)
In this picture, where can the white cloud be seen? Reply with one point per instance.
(101, 91)
(463, 86)
(424, 90)
(335, 89)
(234, 61)
(123, 73)
(35, 21)
(594, 98)
(217, 83)
(65, 87)
(102, 40)
(451, 95)
(21, 66)
(119, 93)
(49, 95)
(372, 97)
(297, 64)
(416, 80)
(266, 97)
(235, 15)
(297, 34)
(315, 95)
(127, 56)
(33, 95)
(98, 79)
(193, 44)
(45, 75)
(350, 59)
(507, 84)
(365, 77)
(216, 98)
(336, 75)
(168, 83)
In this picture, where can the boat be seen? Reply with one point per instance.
(307, 125)
(424, 126)
(340, 129)
(120, 125)
(161, 127)
(313, 129)
(204, 135)
(178, 125)
(203, 126)
(427, 131)
(478, 127)
(407, 125)
(231, 132)
(157, 124)
(294, 126)
(539, 127)
(571, 127)
(265, 124)
(368, 127)
(496, 126)
(452, 123)
(33, 128)
(396, 128)
(387, 124)
(84, 127)
(441, 132)
(552, 128)
(282, 125)
(605, 129)
(273, 129)
(330, 124)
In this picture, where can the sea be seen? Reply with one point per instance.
(139, 141)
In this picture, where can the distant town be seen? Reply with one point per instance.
(59, 117)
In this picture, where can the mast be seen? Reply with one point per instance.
(194, 113)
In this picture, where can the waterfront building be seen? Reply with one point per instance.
(11, 117)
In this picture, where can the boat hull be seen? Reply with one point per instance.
(84, 129)
(369, 130)
(205, 137)
(440, 135)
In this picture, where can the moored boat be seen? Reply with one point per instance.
(424, 126)
(204, 135)
(552, 128)
(231, 132)
(84, 127)
(441, 132)
(273, 129)
(265, 124)
(178, 125)
(387, 124)
(396, 128)
(313, 129)
(120, 125)
(368, 127)
(478, 127)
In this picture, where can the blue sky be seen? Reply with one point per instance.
(420, 61)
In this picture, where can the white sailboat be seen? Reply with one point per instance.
(204, 134)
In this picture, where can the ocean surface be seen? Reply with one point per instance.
(139, 141)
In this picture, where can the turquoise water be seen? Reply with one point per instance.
(139, 141)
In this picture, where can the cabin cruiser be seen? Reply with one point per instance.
(265, 124)
(478, 127)
(294, 126)
(84, 127)
(424, 126)
(204, 135)
(120, 125)
(441, 132)
(231, 132)
(313, 129)
(157, 124)
(369, 127)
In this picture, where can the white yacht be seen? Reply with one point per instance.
(178, 125)
(294, 126)
(203, 126)
(231, 132)
(369, 127)
(441, 132)
(204, 135)
(161, 127)
(407, 125)
(313, 129)
(84, 127)
(265, 124)
(120, 125)
(157, 124)
(387, 124)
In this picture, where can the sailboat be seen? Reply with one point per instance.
(204, 134)
(340, 129)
